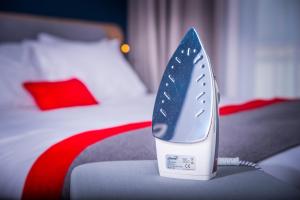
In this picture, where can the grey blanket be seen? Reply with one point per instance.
(251, 135)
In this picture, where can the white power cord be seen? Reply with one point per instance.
(225, 161)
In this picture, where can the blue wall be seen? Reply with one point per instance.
(94, 10)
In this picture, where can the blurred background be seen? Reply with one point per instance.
(254, 45)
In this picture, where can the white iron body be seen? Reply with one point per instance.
(185, 118)
(203, 152)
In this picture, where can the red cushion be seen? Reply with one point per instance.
(59, 94)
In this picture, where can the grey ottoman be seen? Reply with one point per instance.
(140, 180)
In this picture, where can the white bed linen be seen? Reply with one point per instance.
(16, 67)
(99, 65)
(26, 134)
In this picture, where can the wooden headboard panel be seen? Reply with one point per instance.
(16, 27)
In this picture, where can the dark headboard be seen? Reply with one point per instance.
(16, 27)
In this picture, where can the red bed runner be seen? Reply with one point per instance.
(231, 109)
(46, 177)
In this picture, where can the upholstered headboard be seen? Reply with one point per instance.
(16, 27)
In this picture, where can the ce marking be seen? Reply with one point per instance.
(187, 166)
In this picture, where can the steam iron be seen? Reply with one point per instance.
(185, 120)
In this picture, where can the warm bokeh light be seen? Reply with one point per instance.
(125, 48)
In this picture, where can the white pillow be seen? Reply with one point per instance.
(16, 68)
(12, 50)
(100, 65)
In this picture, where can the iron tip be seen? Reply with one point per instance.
(192, 29)
(191, 38)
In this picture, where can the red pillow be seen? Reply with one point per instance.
(59, 94)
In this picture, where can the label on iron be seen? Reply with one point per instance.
(181, 162)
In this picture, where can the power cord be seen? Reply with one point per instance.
(226, 161)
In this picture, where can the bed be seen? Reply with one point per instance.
(41, 142)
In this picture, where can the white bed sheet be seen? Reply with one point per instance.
(26, 134)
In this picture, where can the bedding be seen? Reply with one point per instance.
(47, 145)
(11, 50)
(100, 65)
(28, 133)
(16, 68)
(60, 94)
